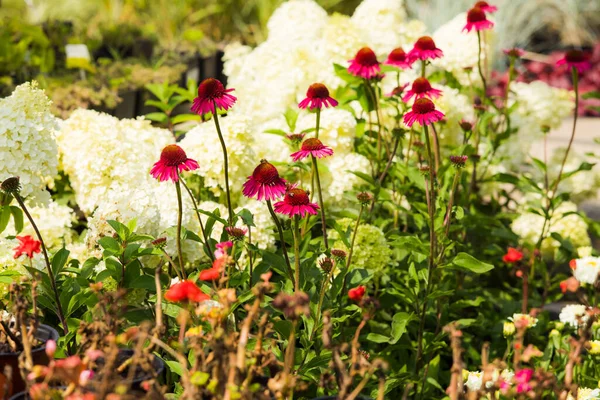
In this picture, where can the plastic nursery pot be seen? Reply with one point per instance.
(20, 396)
(43, 334)
(140, 376)
(337, 398)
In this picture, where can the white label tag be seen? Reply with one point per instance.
(79, 51)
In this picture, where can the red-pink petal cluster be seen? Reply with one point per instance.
(264, 183)
(317, 96)
(185, 291)
(312, 147)
(296, 202)
(364, 64)
(421, 88)
(424, 112)
(173, 160)
(575, 59)
(424, 49)
(486, 7)
(398, 58)
(476, 19)
(27, 245)
(211, 94)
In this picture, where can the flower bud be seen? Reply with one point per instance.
(11, 185)
(509, 329)
(559, 326)
(554, 333)
(50, 348)
(364, 198)
(458, 161)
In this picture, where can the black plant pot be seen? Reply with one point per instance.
(212, 67)
(157, 364)
(337, 398)
(43, 334)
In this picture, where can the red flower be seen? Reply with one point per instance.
(421, 88)
(211, 274)
(573, 264)
(317, 96)
(312, 147)
(364, 64)
(512, 256)
(398, 58)
(424, 49)
(357, 293)
(569, 285)
(264, 183)
(185, 291)
(424, 112)
(27, 245)
(476, 19)
(172, 161)
(575, 59)
(486, 7)
(211, 95)
(296, 202)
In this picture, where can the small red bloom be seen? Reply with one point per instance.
(515, 52)
(398, 58)
(185, 291)
(569, 285)
(575, 59)
(477, 20)
(421, 88)
(28, 246)
(424, 49)
(486, 7)
(172, 161)
(211, 274)
(424, 112)
(522, 379)
(312, 147)
(317, 96)
(212, 96)
(364, 64)
(573, 264)
(512, 256)
(264, 183)
(357, 293)
(296, 202)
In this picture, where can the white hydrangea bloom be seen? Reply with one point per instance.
(338, 179)
(587, 269)
(574, 315)
(202, 144)
(54, 223)
(460, 50)
(528, 227)
(378, 22)
(262, 233)
(588, 394)
(337, 129)
(456, 107)
(297, 20)
(101, 153)
(27, 143)
(234, 57)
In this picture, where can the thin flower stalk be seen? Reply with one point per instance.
(179, 227)
(351, 250)
(206, 241)
(297, 239)
(448, 217)
(225, 165)
(282, 240)
(321, 203)
(479, 67)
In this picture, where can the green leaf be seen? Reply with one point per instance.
(175, 367)
(291, 116)
(377, 338)
(157, 117)
(121, 229)
(178, 119)
(59, 260)
(472, 264)
(399, 322)
(4, 217)
(246, 217)
(17, 214)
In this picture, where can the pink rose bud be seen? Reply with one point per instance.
(50, 348)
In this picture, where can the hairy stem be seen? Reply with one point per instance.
(225, 164)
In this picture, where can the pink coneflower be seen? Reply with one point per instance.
(264, 183)
(364, 64)
(236, 232)
(424, 112)
(398, 58)
(421, 88)
(398, 91)
(477, 20)
(575, 59)
(211, 92)
(486, 7)
(317, 96)
(172, 161)
(522, 379)
(312, 147)
(424, 49)
(296, 202)
(515, 52)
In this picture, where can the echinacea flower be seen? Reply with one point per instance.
(27, 245)
(172, 161)
(421, 88)
(357, 293)
(476, 19)
(398, 58)
(212, 96)
(575, 59)
(512, 256)
(424, 112)
(264, 183)
(486, 7)
(515, 52)
(222, 248)
(424, 49)
(522, 379)
(317, 96)
(185, 291)
(236, 232)
(364, 64)
(312, 147)
(296, 202)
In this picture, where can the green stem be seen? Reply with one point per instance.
(351, 250)
(423, 64)
(60, 314)
(282, 240)
(297, 252)
(320, 305)
(321, 203)
(179, 221)
(481, 74)
(318, 123)
(225, 165)
(448, 218)
(206, 242)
